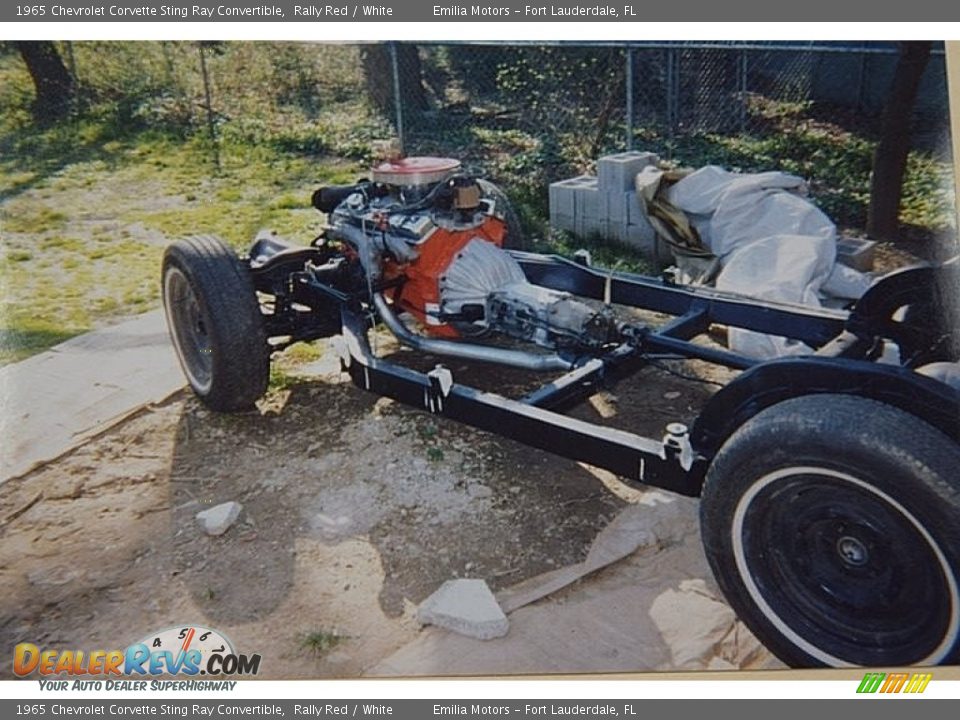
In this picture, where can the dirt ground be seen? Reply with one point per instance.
(355, 510)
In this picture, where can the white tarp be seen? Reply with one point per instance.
(772, 242)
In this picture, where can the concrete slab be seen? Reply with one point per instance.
(465, 606)
(57, 400)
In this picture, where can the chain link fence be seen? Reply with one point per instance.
(532, 114)
(528, 114)
(616, 95)
(608, 96)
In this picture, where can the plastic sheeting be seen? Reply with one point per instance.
(773, 243)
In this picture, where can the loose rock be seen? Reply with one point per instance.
(218, 519)
(467, 607)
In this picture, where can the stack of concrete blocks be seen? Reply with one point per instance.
(606, 206)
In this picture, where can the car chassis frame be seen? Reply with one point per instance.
(846, 345)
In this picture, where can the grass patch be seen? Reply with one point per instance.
(320, 642)
(65, 286)
(301, 353)
(283, 366)
(280, 379)
(427, 431)
(103, 263)
(30, 337)
(63, 244)
(429, 434)
(24, 217)
(604, 253)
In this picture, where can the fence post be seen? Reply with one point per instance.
(211, 125)
(743, 92)
(668, 91)
(861, 76)
(629, 99)
(673, 89)
(397, 98)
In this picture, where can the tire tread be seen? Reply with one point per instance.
(241, 358)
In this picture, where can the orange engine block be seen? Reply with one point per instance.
(420, 292)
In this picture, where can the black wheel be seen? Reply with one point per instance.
(515, 239)
(832, 524)
(215, 323)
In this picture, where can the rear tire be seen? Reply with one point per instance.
(215, 323)
(832, 525)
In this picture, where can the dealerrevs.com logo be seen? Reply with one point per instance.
(185, 651)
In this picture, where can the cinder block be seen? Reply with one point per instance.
(616, 173)
(562, 194)
(561, 198)
(603, 205)
(592, 228)
(637, 210)
(577, 182)
(616, 203)
(563, 222)
(642, 238)
(587, 201)
(858, 253)
(618, 230)
(623, 207)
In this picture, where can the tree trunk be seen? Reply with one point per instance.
(53, 83)
(890, 158)
(378, 76)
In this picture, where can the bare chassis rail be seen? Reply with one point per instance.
(846, 344)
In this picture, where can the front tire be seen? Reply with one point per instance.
(832, 525)
(215, 323)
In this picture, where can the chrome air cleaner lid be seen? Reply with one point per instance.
(414, 171)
